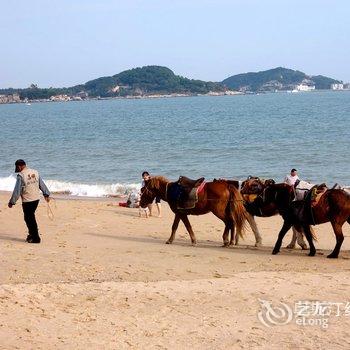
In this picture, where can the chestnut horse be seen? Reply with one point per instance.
(223, 200)
(255, 187)
(333, 206)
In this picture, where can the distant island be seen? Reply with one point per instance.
(157, 81)
(280, 79)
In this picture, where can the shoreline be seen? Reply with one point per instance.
(131, 97)
(67, 197)
(213, 94)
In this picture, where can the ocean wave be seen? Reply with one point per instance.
(85, 190)
(76, 189)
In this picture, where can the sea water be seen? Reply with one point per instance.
(101, 147)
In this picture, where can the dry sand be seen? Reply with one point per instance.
(103, 278)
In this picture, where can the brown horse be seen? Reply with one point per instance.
(333, 206)
(223, 200)
(252, 191)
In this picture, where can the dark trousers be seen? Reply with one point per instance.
(29, 209)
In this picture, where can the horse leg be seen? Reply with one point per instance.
(286, 226)
(300, 239)
(173, 229)
(308, 235)
(297, 237)
(232, 240)
(188, 226)
(254, 227)
(340, 238)
(291, 245)
(229, 227)
(225, 235)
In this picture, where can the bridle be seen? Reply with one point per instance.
(146, 189)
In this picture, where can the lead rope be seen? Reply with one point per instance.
(50, 213)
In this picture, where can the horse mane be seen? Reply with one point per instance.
(154, 181)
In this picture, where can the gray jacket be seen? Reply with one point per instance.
(19, 188)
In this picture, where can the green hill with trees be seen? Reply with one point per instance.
(142, 81)
(276, 79)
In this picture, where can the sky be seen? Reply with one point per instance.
(68, 42)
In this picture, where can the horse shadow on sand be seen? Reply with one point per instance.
(213, 245)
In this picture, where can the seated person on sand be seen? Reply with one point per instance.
(145, 177)
(133, 201)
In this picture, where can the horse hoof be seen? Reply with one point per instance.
(225, 245)
(194, 244)
(291, 246)
(332, 256)
(303, 247)
(258, 244)
(168, 242)
(312, 254)
(274, 252)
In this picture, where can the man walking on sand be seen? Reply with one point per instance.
(28, 186)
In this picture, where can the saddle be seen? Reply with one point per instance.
(316, 193)
(184, 192)
(188, 183)
(312, 197)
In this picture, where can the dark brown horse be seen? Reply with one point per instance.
(252, 191)
(333, 206)
(222, 199)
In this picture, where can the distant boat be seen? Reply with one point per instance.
(28, 104)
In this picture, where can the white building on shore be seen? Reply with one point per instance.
(338, 86)
(305, 87)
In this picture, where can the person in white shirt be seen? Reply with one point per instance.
(292, 178)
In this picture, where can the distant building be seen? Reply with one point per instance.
(60, 98)
(346, 86)
(305, 87)
(337, 86)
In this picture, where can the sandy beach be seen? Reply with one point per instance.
(103, 278)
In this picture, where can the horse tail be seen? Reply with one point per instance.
(299, 228)
(237, 209)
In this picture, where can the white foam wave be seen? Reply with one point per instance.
(76, 189)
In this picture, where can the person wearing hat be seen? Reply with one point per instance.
(28, 187)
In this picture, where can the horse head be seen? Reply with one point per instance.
(253, 185)
(154, 187)
(147, 196)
